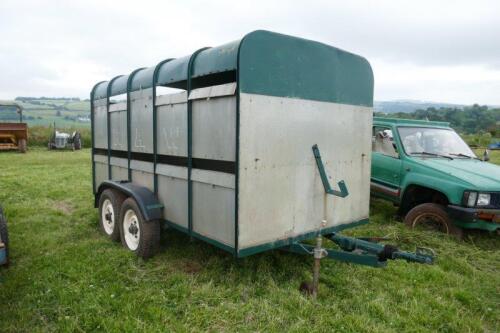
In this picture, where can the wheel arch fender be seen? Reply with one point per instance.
(413, 187)
(151, 208)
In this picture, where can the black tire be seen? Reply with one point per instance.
(137, 235)
(21, 145)
(434, 216)
(110, 224)
(4, 235)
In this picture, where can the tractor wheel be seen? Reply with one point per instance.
(4, 235)
(139, 236)
(110, 203)
(432, 216)
(21, 144)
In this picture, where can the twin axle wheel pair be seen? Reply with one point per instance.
(120, 219)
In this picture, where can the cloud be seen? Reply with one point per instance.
(64, 47)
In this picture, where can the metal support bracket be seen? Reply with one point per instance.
(362, 252)
(356, 258)
(324, 178)
(381, 251)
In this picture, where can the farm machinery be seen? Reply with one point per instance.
(13, 135)
(61, 140)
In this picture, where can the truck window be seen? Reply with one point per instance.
(383, 141)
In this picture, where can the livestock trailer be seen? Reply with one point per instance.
(230, 154)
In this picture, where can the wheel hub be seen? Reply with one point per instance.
(109, 217)
(133, 229)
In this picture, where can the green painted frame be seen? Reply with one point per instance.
(129, 140)
(291, 240)
(92, 139)
(190, 138)
(108, 120)
(155, 129)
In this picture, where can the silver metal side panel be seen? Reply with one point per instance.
(141, 166)
(119, 173)
(122, 106)
(227, 89)
(173, 193)
(121, 162)
(118, 126)
(280, 191)
(143, 178)
(100, 124)
(172, 129)
(141, 120)
(119, 168)
(213, 205)
(214, 128)
(174, 98)
(101, 173)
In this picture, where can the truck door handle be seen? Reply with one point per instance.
(408, 169)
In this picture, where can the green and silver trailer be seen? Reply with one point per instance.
(224, 145)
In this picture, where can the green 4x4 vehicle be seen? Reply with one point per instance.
(435, 179)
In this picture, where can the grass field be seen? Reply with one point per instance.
(66, 276)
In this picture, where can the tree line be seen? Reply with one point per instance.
(475, 119)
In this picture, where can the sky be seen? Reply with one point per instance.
(442, 51)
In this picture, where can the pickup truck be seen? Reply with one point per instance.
(435, 179)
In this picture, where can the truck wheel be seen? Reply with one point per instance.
(110, 203)
(139, 236)
(4, 235)
(434, 216)
(21, 144)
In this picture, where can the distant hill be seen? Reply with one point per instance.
(409, 106)
(44, 111)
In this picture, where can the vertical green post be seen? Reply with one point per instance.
(108, 120)
(92, 136)
(190, 139)
(155, 126)
(129, 140)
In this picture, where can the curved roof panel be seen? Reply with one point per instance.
(174, 71)
(269, 64)
(119, 86)
(216, 59)
(279, 65)
(100, 90)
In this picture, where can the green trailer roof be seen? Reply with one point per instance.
(267, 63)
(410, 122)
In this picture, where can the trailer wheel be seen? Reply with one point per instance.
(139, 236)
(4, 235)
(110, 203)
(22, 145)
(433, 216)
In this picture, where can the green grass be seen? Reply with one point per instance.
(66, 276)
